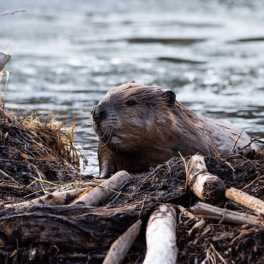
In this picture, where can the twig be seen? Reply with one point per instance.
(41, 182)
(251, 141)
(14, 187)
(217, 253)
(117, 193)
(151, 174)
(141, 209)
(230, 166)
(13, 35)
(186, 213)
(186, 170)
(9, 177)
(237, 140)
(13, 12)
(245, 187)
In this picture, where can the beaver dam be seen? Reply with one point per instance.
(51, 213)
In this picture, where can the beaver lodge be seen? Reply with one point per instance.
(50, 213)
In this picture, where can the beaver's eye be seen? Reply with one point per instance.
(131, 102)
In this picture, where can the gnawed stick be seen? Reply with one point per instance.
(58, 198)
(203, 210)
(186, 213)
(246, 200)
(206, 186)
(121, 246)
(161, 236)
(102, 192)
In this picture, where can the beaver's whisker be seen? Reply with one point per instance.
(84, 124)
(109, 137)
(105, 133)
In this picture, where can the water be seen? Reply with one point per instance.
(69, 53)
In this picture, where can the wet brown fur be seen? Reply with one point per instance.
(134, 138)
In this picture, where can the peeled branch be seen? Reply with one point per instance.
(203, 184)
(240, 197)
(59, 198)
(103, 192)
(121, 246)
(161, 236)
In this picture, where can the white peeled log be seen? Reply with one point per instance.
(203, 184)
(240, 197)
(103, 192)
(161, 236)
(121, 246)
(58, 198)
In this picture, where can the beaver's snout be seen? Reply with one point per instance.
(99, 113)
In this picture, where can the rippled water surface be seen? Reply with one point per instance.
(69, 53)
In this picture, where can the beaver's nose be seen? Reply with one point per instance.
(99, 113)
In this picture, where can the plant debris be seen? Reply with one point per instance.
(35, 158)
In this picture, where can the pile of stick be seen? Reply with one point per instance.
(89, 225)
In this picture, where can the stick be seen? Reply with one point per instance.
(203, 210)
(186, 213)
(206, 186)
(9, 177)
(233, 147)
(161, 236)
(102, 192)
(59, 198)
(13, 12)
(246, 200)
(14, 187)
(121, 246)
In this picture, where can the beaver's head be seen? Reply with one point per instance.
(133, 116)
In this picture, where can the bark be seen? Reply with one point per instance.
(121, 246)
(204, 185)
(58, 198)
(246, 200)
(203, 210)
(70, 227)
(161, 236)
(103, 192)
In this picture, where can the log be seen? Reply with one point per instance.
(161, 236)
(203, 210)
(246, 200)
(58, 198)
(209, 188)
(70, 227)
(121, 246)
(102, 192)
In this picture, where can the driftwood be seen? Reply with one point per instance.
(246, 200)
(206, 186)
(58, 198)
(121, 246)
(203, 210)
(103, 192)
(67, 226)
(161, 236)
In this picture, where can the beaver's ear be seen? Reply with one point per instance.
(169, 97)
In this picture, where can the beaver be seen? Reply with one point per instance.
(141, 126)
